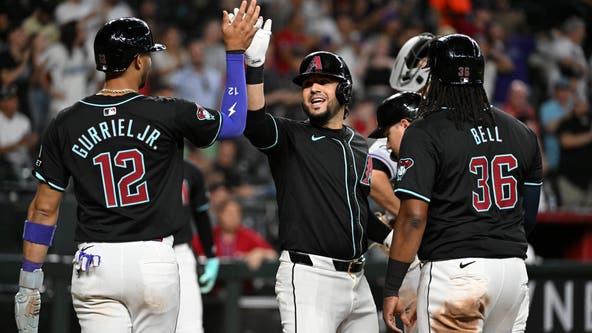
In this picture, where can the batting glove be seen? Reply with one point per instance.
(255, 53)
(208, 278)
(27, 302)
(83, 261)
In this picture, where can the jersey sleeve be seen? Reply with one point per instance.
(416, 169)
(534, 176)
(263, 130)
(198, 124)
(49, 167)
(381, 158)
(198, 196)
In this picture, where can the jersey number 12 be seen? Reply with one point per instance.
(130, 189)
(505, 190)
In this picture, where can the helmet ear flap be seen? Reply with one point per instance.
(343, 92)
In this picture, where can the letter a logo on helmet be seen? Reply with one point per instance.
(315, 65)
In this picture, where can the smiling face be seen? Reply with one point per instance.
(319, 101)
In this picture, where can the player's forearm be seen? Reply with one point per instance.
(234, 100)
(409, 229)
(42, 216)
(382, 193)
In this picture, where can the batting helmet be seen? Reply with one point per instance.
(394, 109)
(327, 64)
(456, 59)
(120, 41)
(408, 74)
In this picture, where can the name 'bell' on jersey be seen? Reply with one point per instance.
(120, 152)
(473, 188)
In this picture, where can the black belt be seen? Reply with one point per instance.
(353, 266)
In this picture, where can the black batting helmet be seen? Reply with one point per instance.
(120, 41)
(328, 64)
(394, 109)
(456, 59)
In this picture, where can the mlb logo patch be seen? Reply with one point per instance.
(109, 111)
(402, 167)
(203, 114)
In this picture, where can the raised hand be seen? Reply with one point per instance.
(239, 32)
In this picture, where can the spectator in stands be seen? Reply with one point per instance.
(214, 51)
(15, 67)
(228, 169)
(40, 83)
(291, 42)
(41, 21)
(568, 54)
(69, 67)
(173, 58)
(197, 82)
(16, 137)
(233, 240)
(551, 113)
(375, 64)
(518, 105)
(575, 164)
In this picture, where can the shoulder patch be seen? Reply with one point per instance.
(403, 165)
(203, 114)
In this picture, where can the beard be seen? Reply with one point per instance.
(323, 118)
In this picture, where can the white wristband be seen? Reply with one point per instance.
(31, 280)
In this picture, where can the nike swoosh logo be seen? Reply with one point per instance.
(462, 265)
(317, 138)
(86, 248)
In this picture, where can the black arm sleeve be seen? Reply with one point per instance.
(377, 231)
(532, 195)
(204, 231)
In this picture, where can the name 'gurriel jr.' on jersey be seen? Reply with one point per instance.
(111, 129)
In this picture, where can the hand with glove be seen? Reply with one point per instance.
(27, 302)
(255, 53)
(208, 278)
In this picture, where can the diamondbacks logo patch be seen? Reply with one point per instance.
(315, 65)
(203, 114)
(367, 178)
(402, 167)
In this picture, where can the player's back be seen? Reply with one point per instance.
(124, 154)
(475, 206)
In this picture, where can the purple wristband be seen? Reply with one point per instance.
(30, 266)
(38, 233)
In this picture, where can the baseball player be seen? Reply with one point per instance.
(469, 180)
(322, 174)
(394, 116)
(124, 153)
(409, 74)
(195, 207)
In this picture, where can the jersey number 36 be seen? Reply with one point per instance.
(130, 189)
(504, 186)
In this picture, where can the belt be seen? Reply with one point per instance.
(352, 266)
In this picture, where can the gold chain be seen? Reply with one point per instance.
(116, 91)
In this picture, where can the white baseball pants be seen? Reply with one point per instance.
(319, 299)
(473, 295)
(190, 309)
(134, 289)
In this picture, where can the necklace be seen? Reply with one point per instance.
(116, 91)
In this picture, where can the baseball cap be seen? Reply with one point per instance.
(562, 83)
(8, 90)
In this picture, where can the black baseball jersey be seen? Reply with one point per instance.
(124, 154)
(193, 197)
(473, 180)
(322, 178)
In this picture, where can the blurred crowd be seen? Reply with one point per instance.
(538, 68)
